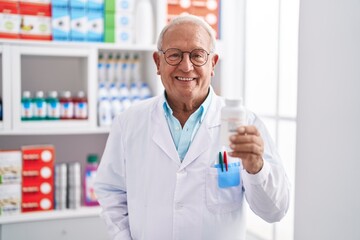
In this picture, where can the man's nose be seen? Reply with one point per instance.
(186, 65)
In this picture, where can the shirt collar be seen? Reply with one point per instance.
(203, 107)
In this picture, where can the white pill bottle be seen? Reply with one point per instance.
(233, 115)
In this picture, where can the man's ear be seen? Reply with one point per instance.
(156, 58)
(214, 61)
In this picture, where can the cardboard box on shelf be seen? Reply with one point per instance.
(38, 178)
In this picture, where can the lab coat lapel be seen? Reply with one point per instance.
(161, 135)
(203, 138)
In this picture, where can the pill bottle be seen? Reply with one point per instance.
(27, 106)
(53, 106)
(90, 175)
(80, 106)
(233, 115)
(40, 106)
(66, 106)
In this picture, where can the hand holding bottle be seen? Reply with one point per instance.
(248, 145)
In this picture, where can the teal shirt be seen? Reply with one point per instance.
(183, 137)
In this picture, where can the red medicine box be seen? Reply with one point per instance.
(38, 178)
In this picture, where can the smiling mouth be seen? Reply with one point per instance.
(185, 79)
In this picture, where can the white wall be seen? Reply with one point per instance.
(327, 202)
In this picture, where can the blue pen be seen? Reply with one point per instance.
(221, 162)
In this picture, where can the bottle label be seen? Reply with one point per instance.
(27, 110)
(89, 187)
(67, 110)
(81, 111)
(40, 109)
(53, 109)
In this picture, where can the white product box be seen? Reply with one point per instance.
(10, 167)
(9, 23)
(124, 36)
(10, 199)
(124, 5)
(35, 25)
(124, 20)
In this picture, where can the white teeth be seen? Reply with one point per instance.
(185, 79)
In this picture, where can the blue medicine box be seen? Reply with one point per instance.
(60, 23)
(95, 4)
(95, 32)
(79, 24)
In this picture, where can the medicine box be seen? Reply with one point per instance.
(124, 20)
(95, 4)
(9, 19)
(95, 31)
(78, 23)
(35, 21)
(10, 167)
(78, 4)
(38, 178)
(10, 199)
(61, 23)
(124, 36)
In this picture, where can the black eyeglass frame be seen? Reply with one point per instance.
(182, 56)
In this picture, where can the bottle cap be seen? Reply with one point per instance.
(39, 94)
(233, 102)
(52, 94)
(66, 94)
(92, 158)
(81, 94)
(26, 94)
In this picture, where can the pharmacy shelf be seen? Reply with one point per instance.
(55, 131)
(51, 215)
(99, 46)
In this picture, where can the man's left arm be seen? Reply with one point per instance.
(266, 185)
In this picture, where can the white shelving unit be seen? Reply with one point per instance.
(51, 215)
(34, 65)
(31, 65)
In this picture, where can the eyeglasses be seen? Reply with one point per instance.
(174, 56)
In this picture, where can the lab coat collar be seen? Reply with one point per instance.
(203, 138)
(202, 141)
(161, 135)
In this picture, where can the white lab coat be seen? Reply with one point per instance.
(147, 193)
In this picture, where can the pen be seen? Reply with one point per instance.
(225, 161)
(221, 162)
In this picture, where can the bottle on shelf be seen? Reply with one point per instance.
(144, 23)
(124, 96)
(66, 106)
(101, 68)
(80, 106)
(118, 68)
(110, 69)
(90, 175)
(135, 68)
(104, 112)
(126, 71)
(134, 93)
(39, 106)
(73, 200)
(27, 106)
(145, 91)
(53, 106)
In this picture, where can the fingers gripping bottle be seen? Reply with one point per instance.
(233, 115)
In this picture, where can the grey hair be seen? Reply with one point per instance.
(183, 18)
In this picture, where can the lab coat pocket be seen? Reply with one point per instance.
(224, 189)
